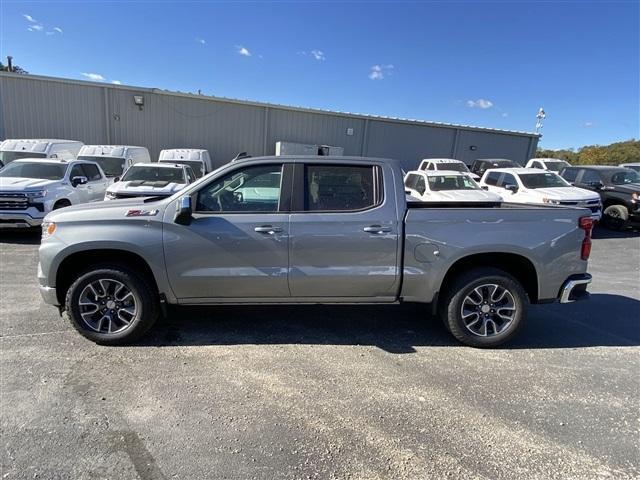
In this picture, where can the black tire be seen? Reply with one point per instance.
(61, 204)
(615, 217)
(461, 295)
(143, 297)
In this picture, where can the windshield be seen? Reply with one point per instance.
(45, 171)
(453, 166)
(452, 182)
(111, 166)
(154, 174)
(542, 180)
(8, 157)
(196, 165)
(556, 166)
(622, 178)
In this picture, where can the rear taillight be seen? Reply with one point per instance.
(586, 224)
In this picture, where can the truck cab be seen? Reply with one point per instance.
(12, 149)
(114, 159)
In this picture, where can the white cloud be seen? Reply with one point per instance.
(96, 77)
(35, 28)
(58, 29)
(243, 51)
(378, 72)
(29, 18)
(482, 103)
(587, 124)
(201, 41)
(51, 33)
(318, 55)
(116, 82)
(504, 114)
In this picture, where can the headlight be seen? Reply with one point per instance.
(48, 229)
(110, 196)
(551, 201)
(36, 194)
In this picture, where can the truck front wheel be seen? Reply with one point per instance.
(484, 307)
(111, 305)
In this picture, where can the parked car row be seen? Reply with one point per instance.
(612, 194)
(41, 175)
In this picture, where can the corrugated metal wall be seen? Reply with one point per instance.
(40, 107)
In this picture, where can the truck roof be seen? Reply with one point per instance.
(32, 144)
(318, 159)
(158, 165)
(106, 150)
(518, 171)
(441, 160)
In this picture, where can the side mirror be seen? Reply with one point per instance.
(484, 187)
(116, 179)
(408, 192)
(512, 188)
(599, 185)
(183, 211)
(75, 181)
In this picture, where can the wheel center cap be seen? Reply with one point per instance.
(111, 304)
(484, 308)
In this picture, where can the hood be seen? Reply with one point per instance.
(105, 211)
(464, 196)
(565, 193)
(627, 188)
(146, 188)
(19, 184)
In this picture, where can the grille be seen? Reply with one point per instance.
(13, 201)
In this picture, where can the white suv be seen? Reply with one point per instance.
(539, 187)
(444, 186)
(31, 188)
(553, 164)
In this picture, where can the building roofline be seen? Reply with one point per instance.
(360, 116)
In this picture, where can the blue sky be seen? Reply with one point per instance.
(489, 64)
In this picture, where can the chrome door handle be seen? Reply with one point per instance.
(377, 229)
(267, 229)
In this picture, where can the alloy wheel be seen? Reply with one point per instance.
(107, 306)
(488, 310)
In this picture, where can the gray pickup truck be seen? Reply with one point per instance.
(310, 230)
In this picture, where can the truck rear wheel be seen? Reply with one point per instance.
(111, 305)
(484, 307)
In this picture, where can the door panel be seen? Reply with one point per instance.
(220, 256)
(343, 253)
(237, 245)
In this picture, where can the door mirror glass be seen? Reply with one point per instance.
(183, 211)
(512, 188)
(75, 181)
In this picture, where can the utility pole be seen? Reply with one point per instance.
(540, 116)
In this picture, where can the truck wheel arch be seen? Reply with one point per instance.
(516, 265)
(63, 202)
(78, 262)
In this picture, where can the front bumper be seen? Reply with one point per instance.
(49, 295)
(24, 219)
(575, 288)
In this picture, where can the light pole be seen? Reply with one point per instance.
(541, 115)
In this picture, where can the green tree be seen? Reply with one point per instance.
(613, 154)
(16, 69)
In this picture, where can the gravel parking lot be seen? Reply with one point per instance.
(324, 392)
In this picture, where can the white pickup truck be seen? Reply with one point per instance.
(31, 188)
(151, 180)
(539, 187)
(552, 164)
(443, 186)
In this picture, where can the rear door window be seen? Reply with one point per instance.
(570, 174)
(590, 176)
(492, 178)
(421, 186)
(341, 188)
